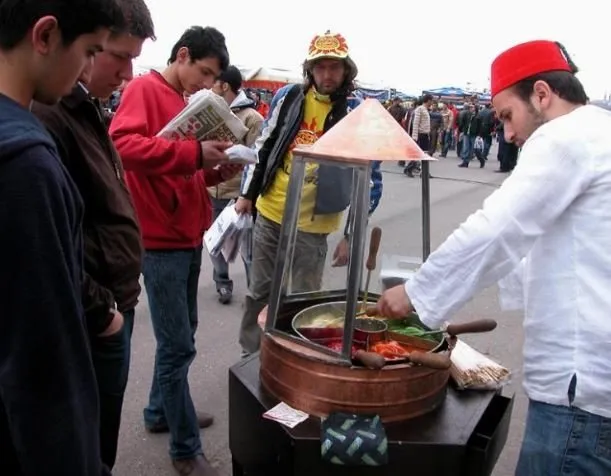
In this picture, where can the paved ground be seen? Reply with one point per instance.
(456, 193)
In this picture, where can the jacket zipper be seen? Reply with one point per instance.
(105, 140)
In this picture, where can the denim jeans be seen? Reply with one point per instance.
(171, 279)
(564, 441)
(466, 152)
(111, 357)
(220, 274)
(446, 142)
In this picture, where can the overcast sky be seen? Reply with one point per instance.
(411, 46)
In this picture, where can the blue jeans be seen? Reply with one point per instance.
(446, 142)
(466, 152)
(171, 279)
(221, 267)
(111, 357)
(564, 441)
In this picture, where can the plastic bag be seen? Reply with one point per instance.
(224, 236)
(240, 154)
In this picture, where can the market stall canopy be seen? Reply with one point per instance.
(484, 97)
(368, 133)
(447, 93)
(271, 79)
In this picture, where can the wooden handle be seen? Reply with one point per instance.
(370, 360)
(374, 247)
(431, 361)
(370, 311)
(473, 327)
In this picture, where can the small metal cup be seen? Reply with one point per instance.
(370, 330)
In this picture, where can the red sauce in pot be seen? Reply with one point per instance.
(391, 349)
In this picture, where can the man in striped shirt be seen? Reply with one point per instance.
(421, 130)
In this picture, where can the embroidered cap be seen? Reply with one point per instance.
(330, 46)
(525, 60)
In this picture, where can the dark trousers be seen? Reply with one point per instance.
(507, 155)
(111, 357)
(424, 142)
(487, 145)
(434, 142)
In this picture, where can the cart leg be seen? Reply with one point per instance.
(237, 468)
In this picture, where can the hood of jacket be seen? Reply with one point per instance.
(242, 101)
(19, 130)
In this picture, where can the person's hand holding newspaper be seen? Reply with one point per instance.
(208, 119)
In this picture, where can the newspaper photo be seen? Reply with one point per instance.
(206, 117)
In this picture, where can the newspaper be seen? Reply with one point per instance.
(206, 117)
(286, 415)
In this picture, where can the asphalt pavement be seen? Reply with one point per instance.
(455, 194)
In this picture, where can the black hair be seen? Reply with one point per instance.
(138, 21)
(233, 77)
(563, 83)
(74, 17)
(202, 43)
(427, 98)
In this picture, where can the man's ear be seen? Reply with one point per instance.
(542, 94)
(183, 55)
(46, 35)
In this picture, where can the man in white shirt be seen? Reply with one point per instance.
(553, 218)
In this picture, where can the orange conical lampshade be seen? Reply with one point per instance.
(367, 133)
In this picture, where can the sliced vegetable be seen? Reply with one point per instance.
(404, 328)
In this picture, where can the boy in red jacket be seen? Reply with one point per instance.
(168, 181)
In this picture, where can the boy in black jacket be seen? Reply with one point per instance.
(48, 399)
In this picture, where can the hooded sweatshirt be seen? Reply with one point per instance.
(243, 107)
(48, 398)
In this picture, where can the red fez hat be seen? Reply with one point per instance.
(526, 60)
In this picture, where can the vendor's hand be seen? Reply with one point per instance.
(394, 303)
(213, 153)
(340, 255)
(243, 206)
(114, 327)
(262, 318)
(228, 171)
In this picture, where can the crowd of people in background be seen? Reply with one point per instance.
(469, 128)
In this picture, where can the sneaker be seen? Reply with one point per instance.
(225, 295)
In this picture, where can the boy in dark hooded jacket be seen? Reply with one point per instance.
(48, 399)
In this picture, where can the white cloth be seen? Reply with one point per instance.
(511, 289)
(555, 211)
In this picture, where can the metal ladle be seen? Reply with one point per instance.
(374, 247)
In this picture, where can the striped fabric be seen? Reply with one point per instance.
(422, 122)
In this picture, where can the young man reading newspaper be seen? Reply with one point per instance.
(168, 181)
